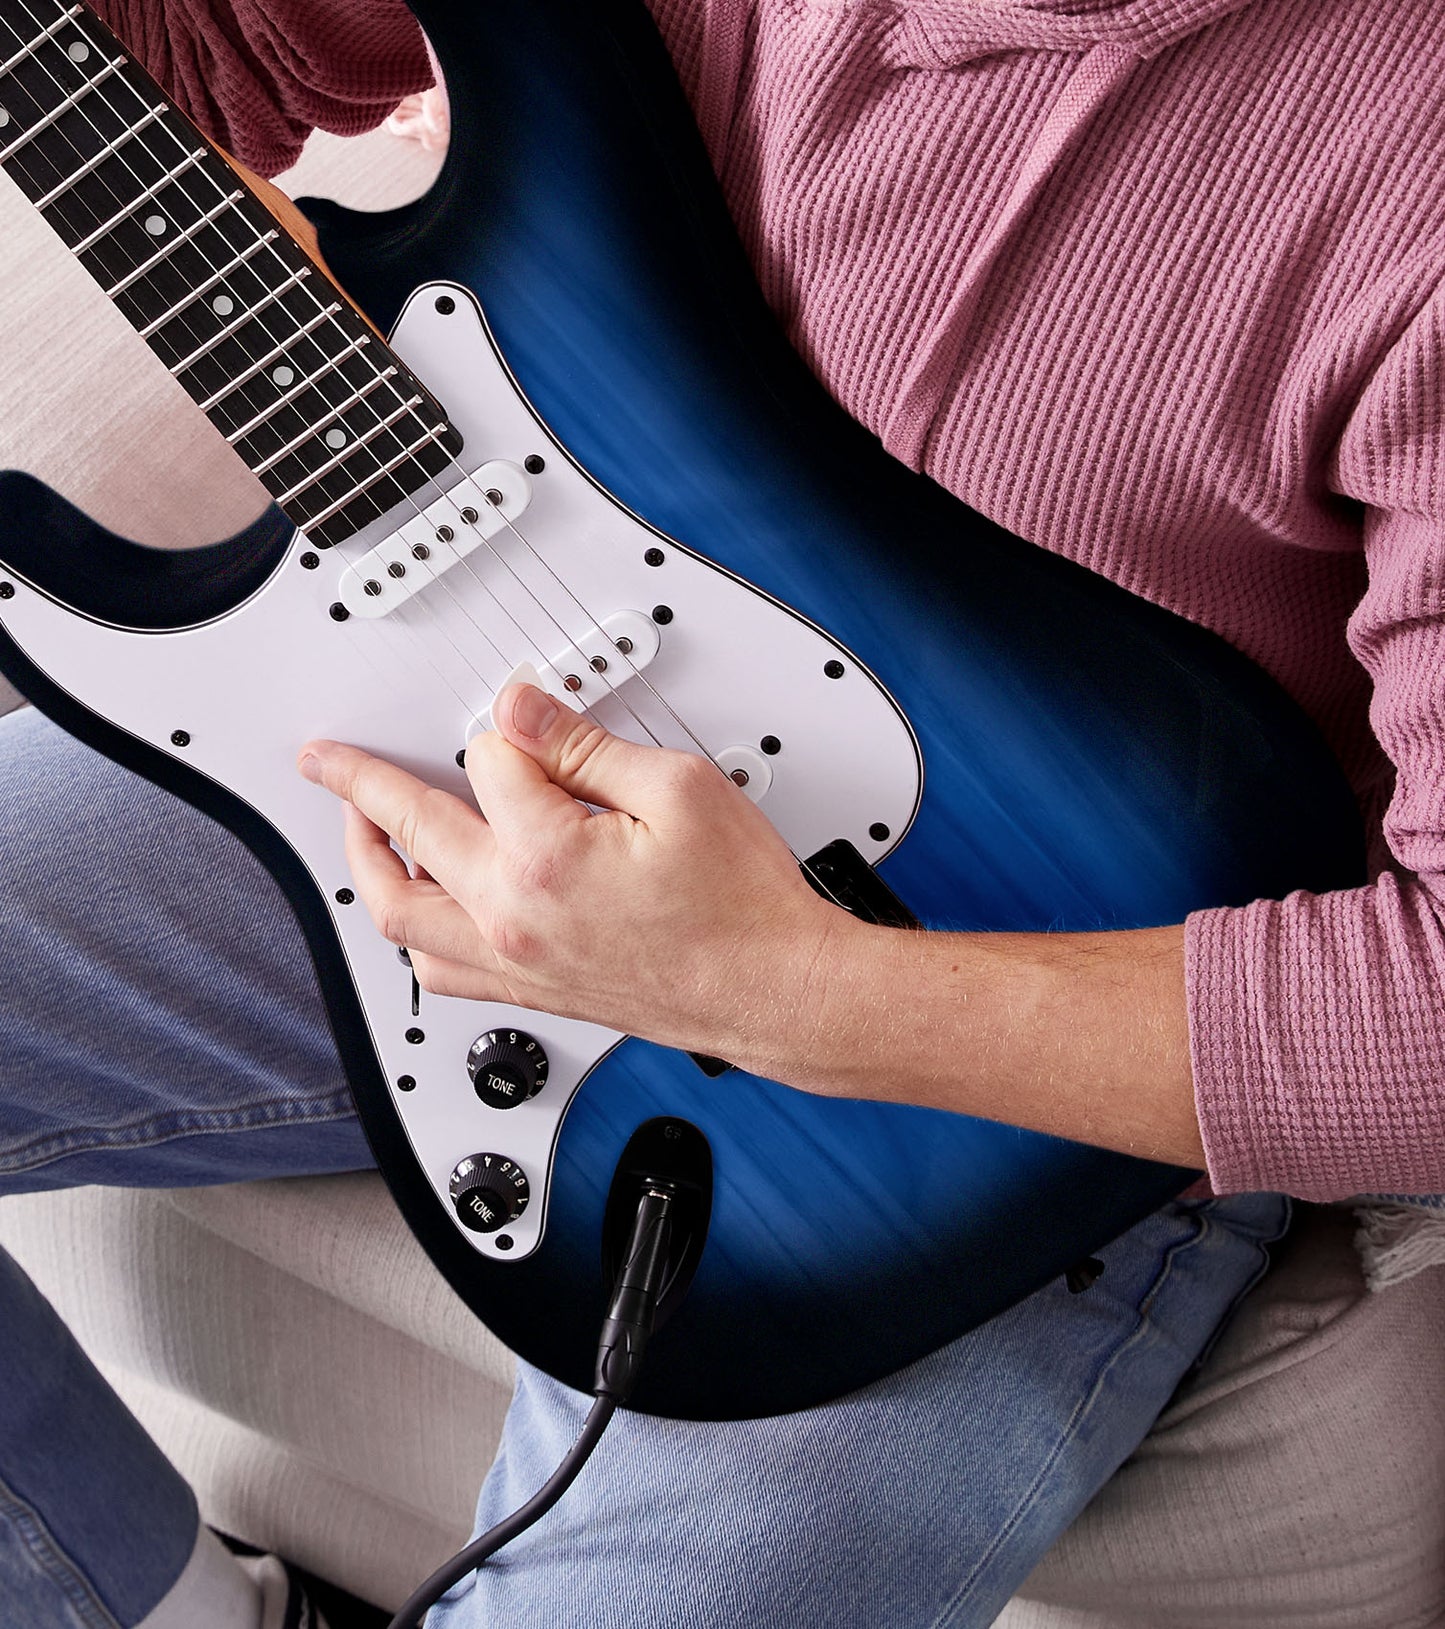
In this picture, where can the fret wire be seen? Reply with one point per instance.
(269, 358)
(331, 365)
(385, 470)
(433, 436)
(110, 148)
(314, 428)
(210, 283)
(173, 245)
(188, 163)
(40, 39)
(346, 452)
(246, 316)
(56, 113)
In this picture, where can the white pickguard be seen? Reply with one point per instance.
(412, 685)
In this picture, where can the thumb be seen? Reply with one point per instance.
(586, 761)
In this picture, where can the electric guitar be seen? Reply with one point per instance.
(587, 452)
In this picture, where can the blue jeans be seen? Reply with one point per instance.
(162, 1027)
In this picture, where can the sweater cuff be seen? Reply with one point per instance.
(1315, 1032)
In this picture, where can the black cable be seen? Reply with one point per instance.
(631, 1312)
(452, 1572)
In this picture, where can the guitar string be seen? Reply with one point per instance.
(434, 575)
(366, 405)
(612, 689)
(194, 335)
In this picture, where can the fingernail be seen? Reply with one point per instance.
(310, 767)
(533, 711)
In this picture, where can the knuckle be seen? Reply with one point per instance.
(581, 748)
(533, 868)
(510, 940)
(688, 773)
(390, 918)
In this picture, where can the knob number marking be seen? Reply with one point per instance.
(507, 1067)
(489, 1191)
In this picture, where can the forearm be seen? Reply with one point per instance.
(1083, 1035)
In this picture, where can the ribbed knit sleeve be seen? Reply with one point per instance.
(258, 77)
(1318, 1023)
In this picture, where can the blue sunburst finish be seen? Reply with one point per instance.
(1090, 760)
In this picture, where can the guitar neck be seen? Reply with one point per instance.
(319, 407)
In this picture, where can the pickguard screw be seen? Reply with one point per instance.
(494, 496)
(534, 464)
(445, 304)
(654, 557)
(462, 758)
(834, 670)
(416, 1036)
(879, 832)
(309, 561)
(504, 1242)
(372, 587)
(419, 551)
(180, 738)
(771, 745)
(7, 591)
(572, 682)
(739, 777)
(339, 613)
(469, 515)
(624, 645)
(445, 534)
(406, 1083)
(396, 569)
(344, 896)
(662, 614)
(598, 664)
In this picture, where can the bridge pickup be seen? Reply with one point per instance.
(840, 873)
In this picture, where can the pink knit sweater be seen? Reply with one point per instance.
(1155, 284)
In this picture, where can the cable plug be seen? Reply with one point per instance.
(632, 1311)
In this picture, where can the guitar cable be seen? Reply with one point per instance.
(647, 1266)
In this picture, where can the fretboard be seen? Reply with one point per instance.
(319, 407)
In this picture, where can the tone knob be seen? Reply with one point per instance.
(507, 1067)
(489, 1191)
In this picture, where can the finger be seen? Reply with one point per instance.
(572, 754)
(437, 830)
(440, 975)
(410, 911)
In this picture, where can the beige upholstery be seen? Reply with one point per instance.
(294, 1352)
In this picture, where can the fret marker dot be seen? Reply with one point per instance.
(4, 118)
(336, 438)
(283, 375)
(155, 225)
(223, 305)
(78, 52)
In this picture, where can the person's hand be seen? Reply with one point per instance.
(678, 914)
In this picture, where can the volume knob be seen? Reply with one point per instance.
(507, 1067)
(489, 1190)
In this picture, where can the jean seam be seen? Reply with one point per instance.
(1029, 1497)
(158, 1129)
(52, 1560)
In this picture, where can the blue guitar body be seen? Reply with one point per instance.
(1091, 760)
